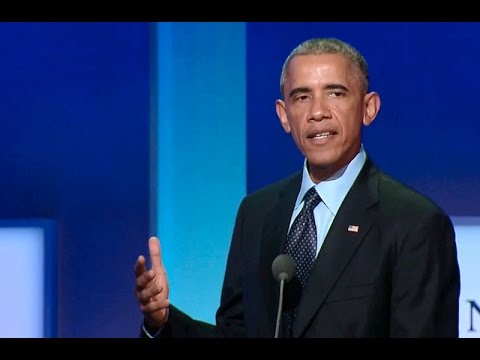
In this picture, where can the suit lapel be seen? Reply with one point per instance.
(339, 245)
(273, 237)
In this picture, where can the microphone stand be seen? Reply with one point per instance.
(282, 277)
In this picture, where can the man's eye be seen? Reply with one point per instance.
(336, 94)
(302, 98)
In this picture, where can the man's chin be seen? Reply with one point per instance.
(320, 162)
(318, 165)
(321, 168)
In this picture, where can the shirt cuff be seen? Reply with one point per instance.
(150, 334)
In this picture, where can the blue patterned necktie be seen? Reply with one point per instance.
(301, 245)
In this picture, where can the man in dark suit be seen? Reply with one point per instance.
(383, 257)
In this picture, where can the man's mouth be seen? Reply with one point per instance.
(321, 135)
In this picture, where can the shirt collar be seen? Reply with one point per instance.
(334, 189)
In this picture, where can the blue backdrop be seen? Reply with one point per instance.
(74, 147)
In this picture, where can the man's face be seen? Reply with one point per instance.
(324, 108)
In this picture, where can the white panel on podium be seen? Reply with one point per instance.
(467, 230)
(27, 277)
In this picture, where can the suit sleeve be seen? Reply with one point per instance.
(230, 315)
(426, 281)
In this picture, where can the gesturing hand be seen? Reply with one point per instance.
(151, 286)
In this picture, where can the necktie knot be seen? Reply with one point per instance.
(311, 198)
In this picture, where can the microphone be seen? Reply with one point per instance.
(283, 269)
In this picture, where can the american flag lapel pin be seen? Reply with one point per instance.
(353, 228)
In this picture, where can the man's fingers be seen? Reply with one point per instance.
(146, 294)
(140, 266)
(155, 252)
(142, 281)
(155, 306)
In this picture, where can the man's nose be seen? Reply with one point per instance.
(319, 110)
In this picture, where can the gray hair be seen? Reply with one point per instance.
(328, 46)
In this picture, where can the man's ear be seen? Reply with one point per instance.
(282, 115)
(372, 106)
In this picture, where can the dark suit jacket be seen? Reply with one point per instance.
(398, 276)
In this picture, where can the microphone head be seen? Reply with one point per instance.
(283, 267)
